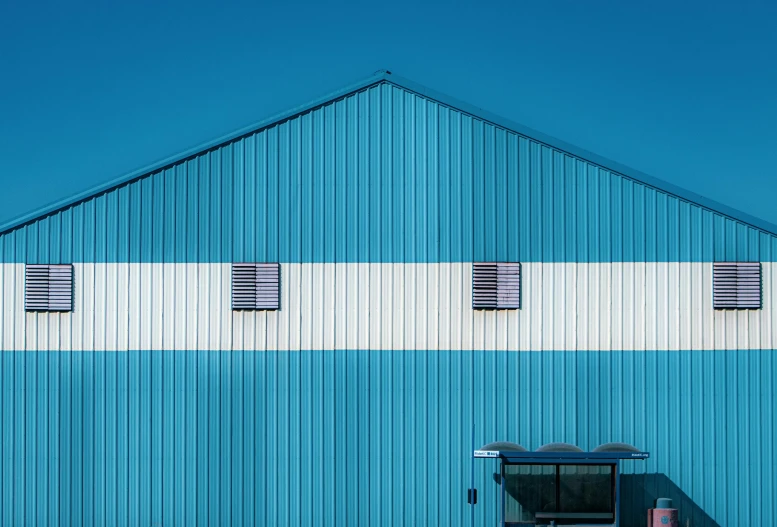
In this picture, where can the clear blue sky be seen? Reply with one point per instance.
(685, 91)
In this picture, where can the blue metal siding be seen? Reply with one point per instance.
(384, 175)
(368, 437)
(177, 436)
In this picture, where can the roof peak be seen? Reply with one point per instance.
(385, 75)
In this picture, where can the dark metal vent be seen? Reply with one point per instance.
(736, 285)
(496, 285)
(48, 287)
(256, 286)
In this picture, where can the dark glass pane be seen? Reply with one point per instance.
(529, 489)
(566, 494)
(586, 488)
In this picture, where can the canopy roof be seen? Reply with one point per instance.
(554, 452)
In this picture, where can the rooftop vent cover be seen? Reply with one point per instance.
(504, 446)
(496, 285)
(255, 286)
(48, 287)
(559, 447)
(617, 447)
(736, 285)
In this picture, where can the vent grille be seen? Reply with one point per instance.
(736, 285)
(496, 285)
(48, 287)
(255, 286)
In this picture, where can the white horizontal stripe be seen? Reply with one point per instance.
(566, 306)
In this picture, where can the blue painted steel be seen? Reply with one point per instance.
(369, 437)
(380, 77)
(385, 171)
(379, 173)
(472, 462)
(192, 152)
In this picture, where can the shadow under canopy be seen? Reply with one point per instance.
(560, 483)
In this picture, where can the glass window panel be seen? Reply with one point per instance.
(586, 488)
(529, 489)
(563, 490)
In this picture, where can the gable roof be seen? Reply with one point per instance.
(386, 76)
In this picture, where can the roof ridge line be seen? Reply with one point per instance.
(96, 190)
(386, 76)
(586, 155)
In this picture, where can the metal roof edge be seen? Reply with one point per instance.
(378, 76)
(608, 164)
(386, 76)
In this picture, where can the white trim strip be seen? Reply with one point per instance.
(566, 306)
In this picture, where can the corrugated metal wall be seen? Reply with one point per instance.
(153, 404)
(368, 437)
(565, 306)
(385, 175)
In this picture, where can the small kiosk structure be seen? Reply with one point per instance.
(559, 483)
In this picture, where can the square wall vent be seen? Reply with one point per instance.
(48, 287)
(736, 285)
(256, 286)
(496, 285)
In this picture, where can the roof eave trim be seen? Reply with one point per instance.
(603, 162)
(386, 76)
(65, 203)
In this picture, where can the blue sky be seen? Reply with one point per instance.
(684, 91)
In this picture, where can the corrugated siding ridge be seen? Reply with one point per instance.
(420, 92)
(177, 159)
(579, 154)
(384, 175)
(269, 438)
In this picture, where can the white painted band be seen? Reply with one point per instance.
(565, 306)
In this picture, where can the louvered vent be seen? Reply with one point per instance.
(48, 288)
(736, 285)
(256, 286)
(496, 285)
